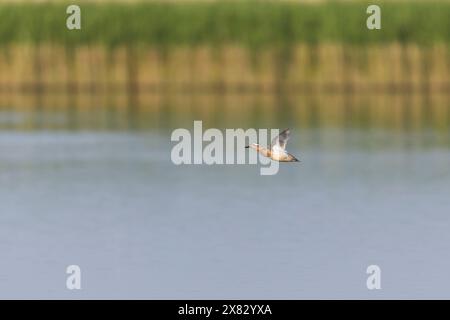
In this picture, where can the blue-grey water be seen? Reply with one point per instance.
(113, 203)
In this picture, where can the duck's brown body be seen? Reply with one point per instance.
(277, 154)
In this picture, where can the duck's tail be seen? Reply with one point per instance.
(294, 159)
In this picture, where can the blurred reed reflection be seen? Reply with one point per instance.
(413, 113)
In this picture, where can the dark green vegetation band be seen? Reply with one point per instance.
(250, 23)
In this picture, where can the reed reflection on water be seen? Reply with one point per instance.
(400, 112)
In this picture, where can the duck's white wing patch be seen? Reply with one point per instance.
(277, 151)
(281, 140)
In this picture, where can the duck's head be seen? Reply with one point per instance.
(253, 146)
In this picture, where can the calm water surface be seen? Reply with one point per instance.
(113, 203)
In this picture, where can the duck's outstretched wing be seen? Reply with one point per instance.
(281, 140)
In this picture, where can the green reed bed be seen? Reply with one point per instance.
(249, 23)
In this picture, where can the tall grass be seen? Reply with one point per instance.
(250, 23)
